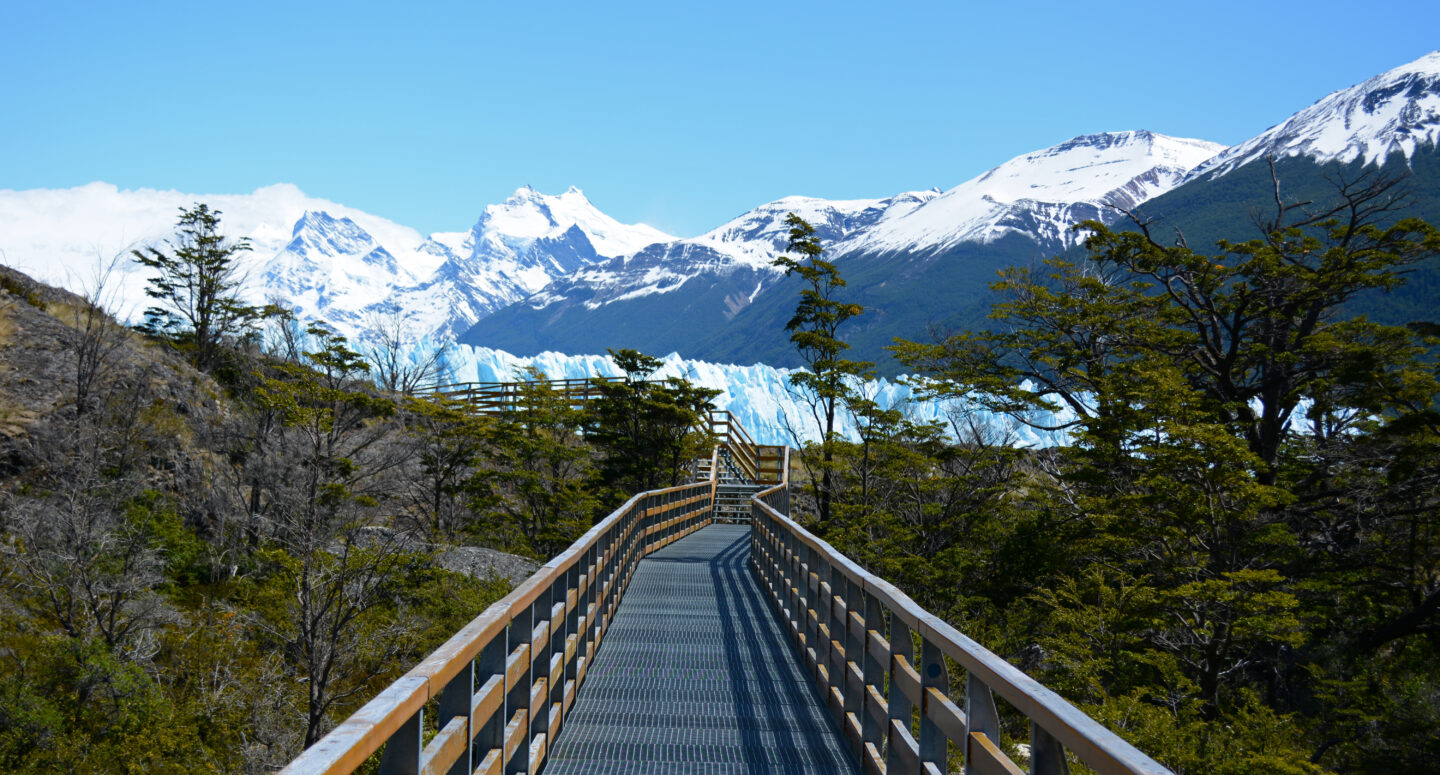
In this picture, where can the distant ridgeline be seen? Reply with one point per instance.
(921, 263)
(541, 272)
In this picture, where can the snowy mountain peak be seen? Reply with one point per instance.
(1397, 111)
(758, 236)
(528, 215)
(318, 231)
(1043, 193)
(1089, 167)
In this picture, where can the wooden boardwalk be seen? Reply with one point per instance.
(698, 676)
(663, 642)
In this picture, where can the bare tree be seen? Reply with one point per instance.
(282, 336)
(87, 547)
(95, 338)
(401, 361)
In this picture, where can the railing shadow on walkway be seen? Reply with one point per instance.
(768, 652)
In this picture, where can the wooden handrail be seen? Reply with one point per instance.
(855, 631)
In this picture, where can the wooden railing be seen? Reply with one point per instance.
(773, 465)
(501, 397)
(503, 685)
(731, 435)
(506, 681)
(497, 397)
(858, 636)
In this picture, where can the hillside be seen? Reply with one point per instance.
(199, 572)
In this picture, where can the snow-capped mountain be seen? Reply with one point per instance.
(740, 252)
(1042, 194)
(539, 272)
(59, 235)
(322, 259)
(332, 270)
(515, 249)
(714, 281)
(1396, 112)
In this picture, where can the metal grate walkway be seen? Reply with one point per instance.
(696, 676)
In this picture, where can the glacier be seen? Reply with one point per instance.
(759, 395)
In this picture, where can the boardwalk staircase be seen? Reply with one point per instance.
(662, 642)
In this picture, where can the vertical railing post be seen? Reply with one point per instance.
(1047, 756)
(980, 717)
(840, 643)
(539, 664)
(934, 746)
(855, 647)
(559, 631)
(455, 700)
(902, 711)
(870, 729)
(402, 751)
(517, 693)
(491, 733)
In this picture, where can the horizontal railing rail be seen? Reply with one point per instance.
(504, 396)
(857, 634)
(771, 463)
(730, 434)
(505, 682)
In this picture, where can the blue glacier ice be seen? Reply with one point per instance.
(758, 395)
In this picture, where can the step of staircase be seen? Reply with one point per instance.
(732, 501)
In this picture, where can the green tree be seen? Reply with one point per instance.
(828, 380)
(332, 565)
(447, 441)
(540, 472)
(197, 284)
(646, 431)
(1235, 435)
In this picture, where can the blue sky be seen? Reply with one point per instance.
(681, 115)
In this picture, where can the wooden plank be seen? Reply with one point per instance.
(852, 729)
(903, 744)
(872, 762)
(515, 731)
(487, 701)
(350, 744)
(492, 763)
(538, 696)
(878, 646)
(537, 753)
(557, 669)
(517, 664)
(446, 662)
(854, 680)
(904, 676)
(984, 758)
(446, 747)
(876, 705)
(945, 714)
